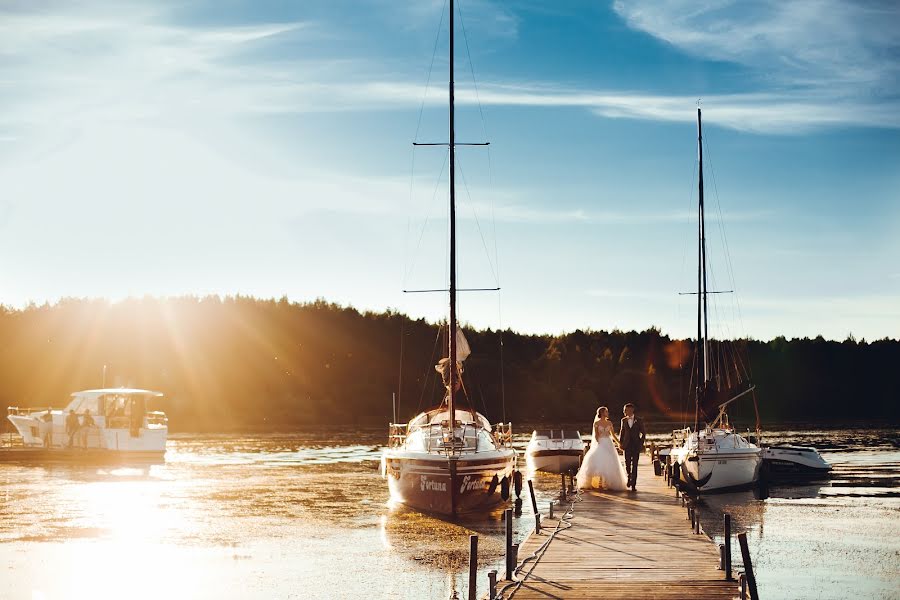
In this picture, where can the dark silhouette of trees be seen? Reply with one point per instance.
(242, 363)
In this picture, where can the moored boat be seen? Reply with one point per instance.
(448, 460)
(554, 451)
(438, 468)
(713, 457)
(95, 424)
(789, 462)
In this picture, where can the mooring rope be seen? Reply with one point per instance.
(537, 554)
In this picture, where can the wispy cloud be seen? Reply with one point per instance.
(76, 69)
(815, 42)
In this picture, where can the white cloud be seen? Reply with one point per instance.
(80, 69)
(810, 43)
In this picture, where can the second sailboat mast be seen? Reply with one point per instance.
(452, 332)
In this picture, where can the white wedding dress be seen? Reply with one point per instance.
(601, 467)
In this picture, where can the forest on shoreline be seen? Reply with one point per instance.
(245, 364)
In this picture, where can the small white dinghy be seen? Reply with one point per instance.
(794, 462)
(554, 451)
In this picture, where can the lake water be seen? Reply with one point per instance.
(307, 515)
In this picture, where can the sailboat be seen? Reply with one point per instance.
(451, 460)
(714, 457)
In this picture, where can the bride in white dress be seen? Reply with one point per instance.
(601, 467)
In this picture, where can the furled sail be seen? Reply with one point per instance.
(462, 353)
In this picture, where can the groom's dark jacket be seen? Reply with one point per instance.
(632, 438)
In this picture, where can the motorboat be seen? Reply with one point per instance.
(101, 422)
(794, 462)
(449, 460)
(436, 467)
(714, 456)
(554, 451)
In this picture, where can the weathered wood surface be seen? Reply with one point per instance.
(624, 545)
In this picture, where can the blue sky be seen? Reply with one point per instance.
(265, 148)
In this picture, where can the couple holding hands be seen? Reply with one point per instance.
(601, 467)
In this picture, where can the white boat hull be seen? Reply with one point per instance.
(717, 460)
(711, 472)
(794, 462)
(149, 439)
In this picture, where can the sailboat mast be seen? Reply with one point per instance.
(702, 322)
(453, 372)
(703, 246)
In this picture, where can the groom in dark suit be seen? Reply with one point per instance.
(631, 437)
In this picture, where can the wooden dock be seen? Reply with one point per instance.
(622, 545)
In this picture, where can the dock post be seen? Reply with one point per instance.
(507, 514)
(722, 557)
(473, 565)
(571, 482)
(537, 522)
(742, 584)
(492, 584)
(562, 491)
(533, 500)
(727, 566)
(748, 566)
(514, 554)
(550, 513)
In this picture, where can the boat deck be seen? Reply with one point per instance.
(624, 545)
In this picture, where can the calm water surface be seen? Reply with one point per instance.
(308, 516)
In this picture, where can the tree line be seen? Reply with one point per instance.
(240, 363)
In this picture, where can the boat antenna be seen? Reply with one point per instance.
(452, 333)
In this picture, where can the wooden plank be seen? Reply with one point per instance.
(622, 545)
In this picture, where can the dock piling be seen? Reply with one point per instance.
(473, 565)
(727, 565)
(748, 566)
(492, 584)
(562, 489)
(550, 513)
(507, 515)
(533, 500)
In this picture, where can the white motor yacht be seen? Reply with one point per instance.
(554, 451)
(109, 421)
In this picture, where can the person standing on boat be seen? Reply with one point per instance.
(87, 425)
(72, 425)
(46, 428)
(632, 436)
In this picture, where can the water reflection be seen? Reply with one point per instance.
(308, 515)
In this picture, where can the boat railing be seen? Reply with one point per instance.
(680, 435)
(503, 433)
(16, 411)
(396, 434)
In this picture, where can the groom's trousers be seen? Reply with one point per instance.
(632, 455)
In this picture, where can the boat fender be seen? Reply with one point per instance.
(504, 488)
(517, 483)
(676, 471)
(493, 486)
